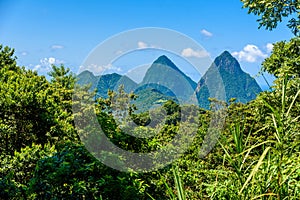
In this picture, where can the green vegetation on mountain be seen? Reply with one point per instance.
(106, 82)
(152, 95)
(164, 72)
(87, 78)
(226, 76)
(224, 80)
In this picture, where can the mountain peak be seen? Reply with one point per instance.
(227, 62)
(86, 73)
(164, 72)
(164, 60)
(233, 81)
(226, 54)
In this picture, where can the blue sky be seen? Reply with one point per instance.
(52, 31)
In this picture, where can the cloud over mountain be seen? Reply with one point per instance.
(189, 52)
(250, 53)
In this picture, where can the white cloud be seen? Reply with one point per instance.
(24, 53)
(142, 45)
(56, 46)
(36, 68)
(206, 33)
(250, 53)
(189, 52)
(45, 64)
(269, 47)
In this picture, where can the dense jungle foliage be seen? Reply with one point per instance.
(257, 155)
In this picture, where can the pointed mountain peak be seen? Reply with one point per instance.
(227, 62)
(164, 72)
(227, 57)
(164, 60)
(226, 54)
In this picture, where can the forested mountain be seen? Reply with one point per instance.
(225, 74)
(151, 95)
(163, 81)
(164, 72)
(86, 77)
(103, 83)
(112, 82)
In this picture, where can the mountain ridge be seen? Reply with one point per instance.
(225, 74)
(164, 72)
(224, 80)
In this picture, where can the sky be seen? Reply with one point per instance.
(67, 32)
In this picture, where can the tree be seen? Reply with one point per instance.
(17, 170)
(273, 11)
(24, 116)
(62, 88)
(7, 57)
(284, 59)
(73, 173)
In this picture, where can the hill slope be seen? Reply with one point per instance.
(225, 75)
(223, 80)
(86, 77)
(112, 82)
(164, 72)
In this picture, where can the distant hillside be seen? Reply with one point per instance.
(223, 80)
(236, 83)
(112, 82)
(86, 77)
(152, 95)
(164, 72)
(105, 82)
